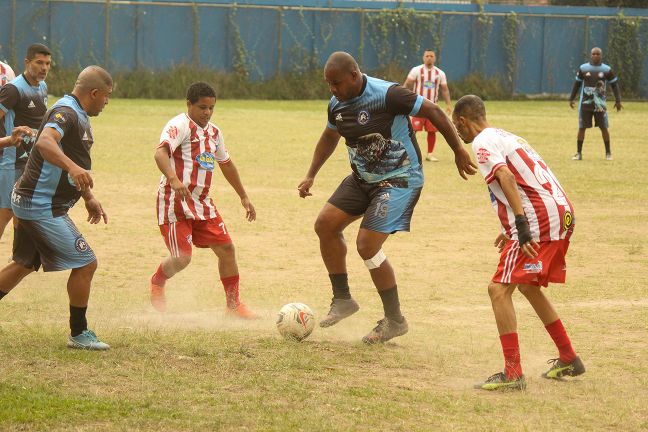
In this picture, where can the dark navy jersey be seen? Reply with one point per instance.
(23, 105)
(45, 190)
(594, 79)
(379, 137)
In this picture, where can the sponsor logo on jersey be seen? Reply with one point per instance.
(533, 268)
(172, 132)
(338, 117)
(31, 104)
(429, 84)
(59, 118)
(568, 220)
(80, 244)
(363, 117)
(482, 155)
(206, 161)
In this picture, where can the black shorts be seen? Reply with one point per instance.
(386, 208)
(585, 119)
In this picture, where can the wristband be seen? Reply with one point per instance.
(523, 230)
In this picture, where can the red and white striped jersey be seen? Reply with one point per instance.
(427, 81)
(550, 214)
(6, 73)
(193, 152)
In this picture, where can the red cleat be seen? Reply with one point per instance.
(158, 297)
(242, 311)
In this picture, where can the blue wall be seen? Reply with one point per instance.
(281, 36)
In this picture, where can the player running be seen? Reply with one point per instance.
(537, 221)
(190, 148)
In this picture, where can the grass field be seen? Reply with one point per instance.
(194, 369)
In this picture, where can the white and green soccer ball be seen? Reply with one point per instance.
(295, 321)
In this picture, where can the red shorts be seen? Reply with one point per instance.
(418, 124)
(549, 266)
(180, 235)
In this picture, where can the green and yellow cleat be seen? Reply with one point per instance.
(500, 381)
(559, 369)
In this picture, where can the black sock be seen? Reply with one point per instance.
(391, 305)
(607, 147)
(78, 321)
(2, 294)
(579, 146)
(340, 283)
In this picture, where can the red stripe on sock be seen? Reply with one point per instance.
(511, 350)
(559, 335)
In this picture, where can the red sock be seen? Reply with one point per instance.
(560, 338)
(431, 140)
(231, 286)
(159, 278)
(511, 349)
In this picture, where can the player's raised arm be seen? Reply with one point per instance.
(323, 150)
(436, 115)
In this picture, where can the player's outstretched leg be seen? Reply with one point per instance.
(79, 293)
(166, 270)
(229, 273)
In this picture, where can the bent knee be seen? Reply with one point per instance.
(527, 290)
(181, 262)
(496, 290)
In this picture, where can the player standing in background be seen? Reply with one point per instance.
(537, 221)
(6, 73)
(384, 187)
(428, 81)
(56, 176)
(591, 83)
(190, 147)
(23, 102)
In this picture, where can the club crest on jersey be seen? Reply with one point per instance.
(172, 132)
(482, 155)
(363, 117)
(80, 244)
(206, 161)
(601, 74)
(533, 268)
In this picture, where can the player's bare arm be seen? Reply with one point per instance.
(409, 83)
(48, 145)
(432, 112)
(323, 150)
(163, 164)
(16, 136)
(94, 208)
(445, 93)
(232, 176)
(617, 96)
(507, 182)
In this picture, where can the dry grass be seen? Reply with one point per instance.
(192, 369)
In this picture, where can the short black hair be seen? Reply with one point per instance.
(471, 107)
(37, 48)
(198, 90)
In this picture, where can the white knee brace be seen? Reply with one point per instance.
(375, 261)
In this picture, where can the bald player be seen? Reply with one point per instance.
(56, 176)
(383, 188)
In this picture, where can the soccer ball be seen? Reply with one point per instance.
(295, 321)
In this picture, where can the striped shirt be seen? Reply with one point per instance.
(550, 214)
(427, 81)
(193, 152)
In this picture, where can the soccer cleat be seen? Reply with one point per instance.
(385, 330)
(577, 156)
(158, 297)
(608, 156)
(241, 311)
(87, 340)
(559, 369)
(340, 309)
(500, 381)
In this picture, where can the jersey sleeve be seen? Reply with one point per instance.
(442, 77)
(330, 122)
(611, 76)
(222, 155)
(172, 135)
(489, 155)
(579, 75)
(413, 74)
(402, 101)
(9, 97)
(62, 119)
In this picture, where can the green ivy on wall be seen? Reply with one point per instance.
(625, 53)
(510, 45)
